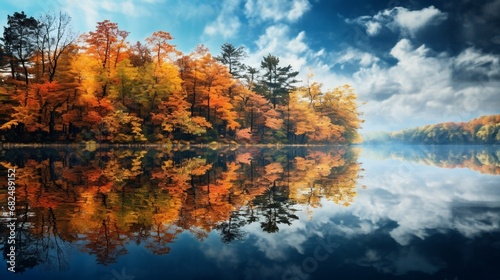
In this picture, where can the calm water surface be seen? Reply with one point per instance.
(372, 212)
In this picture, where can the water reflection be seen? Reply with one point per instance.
(257, 213)
(101, 201)
(422, 198)
(427, 212)
(484, 159)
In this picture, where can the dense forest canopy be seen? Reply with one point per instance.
(59, 87)
(482, 130)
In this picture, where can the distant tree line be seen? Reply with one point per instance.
(60, 87)
(482, 130)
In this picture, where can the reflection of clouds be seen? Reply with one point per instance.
(422, 198)
(267, 253)
(353, 230)
(275, 246)
(224, 256)
(473, 223)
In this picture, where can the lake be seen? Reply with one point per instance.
(362, 212)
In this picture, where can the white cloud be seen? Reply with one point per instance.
(191, 10)
(420, 86)
(423, 86)
(352, 55)
(401, 19)
(297, 45)
(413, 21)
(87, 11)
(373, 28)
(472, 60)
(270, 41)
(227, 27)
(226, 24)
(298, 9)
(291, 50)
(224, 255)
(276, 10)
(294, 50)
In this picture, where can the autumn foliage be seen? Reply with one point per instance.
(100, 201)
(482, 130)
(100, 87)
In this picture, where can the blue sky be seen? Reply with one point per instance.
(412, 62)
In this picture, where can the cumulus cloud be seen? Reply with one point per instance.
(472, 64)
(352, 55)
(276, 10)
(373, 28)
(413, 21)
(291, 49)
(420, 76)
(401, 19)
(424, 87)
(227, 24)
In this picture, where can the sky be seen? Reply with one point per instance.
(410, 62)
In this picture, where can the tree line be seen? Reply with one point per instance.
(60, 87)
(482, 130)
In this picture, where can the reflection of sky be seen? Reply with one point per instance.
(423, 198)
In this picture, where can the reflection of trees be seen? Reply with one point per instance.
(275, 207)
(102, 200)
(484, 159)
(230, 230)
(38, 240)
(330, 175)
(105, 241)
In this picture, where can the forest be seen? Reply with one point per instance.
(60, 87)
(482, 130)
